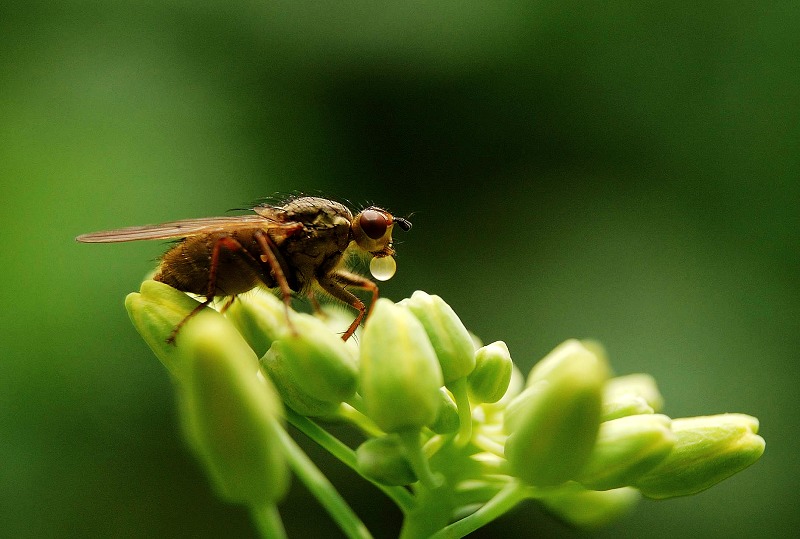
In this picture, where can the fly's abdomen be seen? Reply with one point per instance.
(188, 266)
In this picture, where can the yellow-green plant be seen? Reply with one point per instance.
(452, 433)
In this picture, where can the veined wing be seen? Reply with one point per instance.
(180, 229)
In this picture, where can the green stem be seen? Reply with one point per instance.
(504, 501)
(356, 416)
(268, 522)
(459, 390)
(434, 444)
(478, 494)
(490, 446)
(322, 489)
(400, 496)
(419, 463)
(431, 515)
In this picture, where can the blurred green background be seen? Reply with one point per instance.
(621, 171)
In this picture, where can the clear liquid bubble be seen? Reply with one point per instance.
(382, 267)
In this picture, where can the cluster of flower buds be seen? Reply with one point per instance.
(453, 419)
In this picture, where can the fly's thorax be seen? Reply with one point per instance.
(316, 250)
(316, 212)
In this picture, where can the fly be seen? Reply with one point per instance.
(292, 247)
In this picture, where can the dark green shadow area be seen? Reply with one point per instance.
(617, 172)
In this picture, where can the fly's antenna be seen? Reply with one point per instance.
(405, 224)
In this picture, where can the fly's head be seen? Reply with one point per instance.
(371, 229)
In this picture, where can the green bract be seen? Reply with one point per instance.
(400, 376)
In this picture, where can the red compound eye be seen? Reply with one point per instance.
(374, 223)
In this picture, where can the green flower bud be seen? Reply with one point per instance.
(516, 411)
(515, 387)
(282, 375)
(260, 317)
(626, 448)
(447, 421)
(450, 339)
(229, 415)
(625, 405)
(631, 395)
(400, 376)
(707, 450)
(155, 312)
(590, 509)
(489, 380)
(384, 460)
(312, 368)
(553, 424)
(321, 363)
(596, 347)
(566, 352)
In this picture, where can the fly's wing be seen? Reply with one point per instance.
(187, 227)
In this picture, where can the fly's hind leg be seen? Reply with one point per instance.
(225, 242)
(268, 256)
(334, 285)
(315, 306)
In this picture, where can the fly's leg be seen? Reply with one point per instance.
(225, 242)
(268, 257)
(334, 285)
(315, 306)
(227, 305)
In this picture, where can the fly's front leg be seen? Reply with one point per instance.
(227, 304)
(334, 285)
(225, 242)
